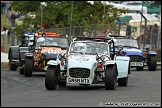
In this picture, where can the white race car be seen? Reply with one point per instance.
(88, 61)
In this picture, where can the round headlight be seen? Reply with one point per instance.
(38, 49)
(120, 47)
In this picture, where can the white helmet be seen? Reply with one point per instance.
(80, 47)
(40, 41)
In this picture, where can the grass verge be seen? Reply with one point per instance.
(4, 65)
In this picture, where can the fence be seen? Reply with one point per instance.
(92, 30)
(5, 45)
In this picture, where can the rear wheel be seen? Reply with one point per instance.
(139, 68)
(51, 78)
(123, 81)
(28, 67)
(110, 78)
(21, 71)
(12, 67)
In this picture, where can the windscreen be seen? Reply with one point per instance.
(52, 41)
(89, 48)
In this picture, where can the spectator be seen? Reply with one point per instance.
(3, 28)
(128, 30)
(154, 36)
(8, 33)
(13, 17)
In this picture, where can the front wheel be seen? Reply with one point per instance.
(51, 78)
(152, 63)
(110, 78)
(28, 67)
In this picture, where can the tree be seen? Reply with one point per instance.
(56, 12)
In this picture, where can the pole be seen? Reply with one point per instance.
(71, 19)
(104, 15)
(41, 15)
(141, 29)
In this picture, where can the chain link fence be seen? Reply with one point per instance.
(91, 31)
(118, 29)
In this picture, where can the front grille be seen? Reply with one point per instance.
(79, 72)
(136, 58)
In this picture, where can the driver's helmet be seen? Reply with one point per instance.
(81, 47)
(40, 41)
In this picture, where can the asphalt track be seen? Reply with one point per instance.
(19, 91)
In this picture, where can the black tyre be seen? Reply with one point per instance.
(51, 78)
(12, 67)
(129, 68)
(28, 67)
(110, 78)
(62, 83)
(152, 63)
(21, 71)
(123, 81)
(139, 68)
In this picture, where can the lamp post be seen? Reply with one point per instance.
(71, 18)
(32, 16)
(141, 28)
(104, 15)
(42, 5)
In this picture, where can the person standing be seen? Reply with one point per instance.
(8, 32)
(13, 17)
(154, 36)
(128, 30)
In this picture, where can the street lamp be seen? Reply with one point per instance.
(42, 5)
(32, 16)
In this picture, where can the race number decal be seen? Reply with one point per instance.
(79, 80)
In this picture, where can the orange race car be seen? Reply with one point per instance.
(46, 47)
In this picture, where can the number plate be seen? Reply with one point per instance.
(79, 80)
(136, 63)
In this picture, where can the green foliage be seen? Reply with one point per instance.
(58, 14)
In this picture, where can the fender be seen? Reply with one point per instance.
(111, 63)
(56, 63)
(152, 53)
(53, 62)
(14, 51)
(23, 50)
(123, 66)
(29, 55)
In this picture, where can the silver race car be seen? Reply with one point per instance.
(88, 61)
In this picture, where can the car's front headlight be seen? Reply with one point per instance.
(120, 47)
(38, 49)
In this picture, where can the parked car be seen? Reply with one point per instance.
(128, 46)
(89, 61)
